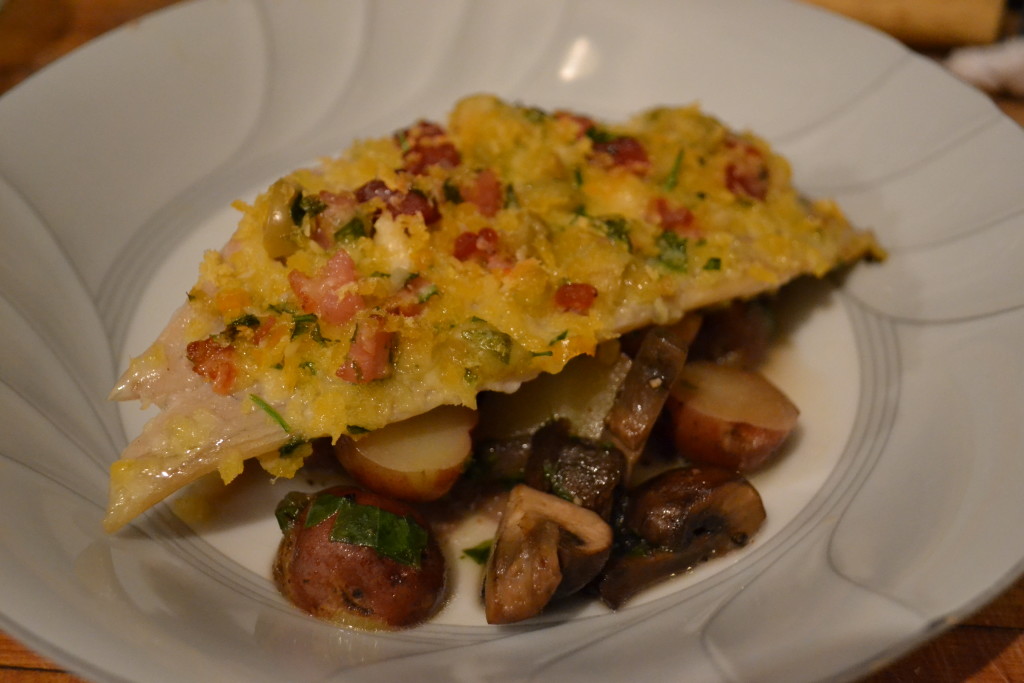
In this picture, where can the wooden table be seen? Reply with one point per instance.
(985, 648)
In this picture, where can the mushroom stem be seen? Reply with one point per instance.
(645, 388)
(544, 546)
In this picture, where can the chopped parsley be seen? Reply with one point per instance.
(485, 337)
(351, 231)
(673, 175)
(554, 479)
(289, 448)
(535, 115)
(289, 509)
(617, 229)
(427, 292)
(247, 320)
(672, 251)
(397, 537)
(305, 205)
(451, 192)
(480, 552)
(511, 198)
(713, 263)
(307, 323)
(269, 410)
(599, 136)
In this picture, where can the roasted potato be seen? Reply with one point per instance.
(356, 558)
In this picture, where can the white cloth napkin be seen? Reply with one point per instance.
(997, 68)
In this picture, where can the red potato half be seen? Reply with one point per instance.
(352, 584)
(728, 417)
(416, 460)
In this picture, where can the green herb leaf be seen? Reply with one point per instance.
(490, 339)
(306, 205)
(427, 292)
(289, 448)
(535, 115)
(713, 263)
(247, 320)
(600, 136)
(561, 336)
(356, 429)
(617, 229)
(673, 175)
(672, 251)
(451, 192)
(289, 509)
(297, 212)
(511, 198)
(480, 552)
(308, 323)
(269, 410)
(351, 231)
(554, 479)
(397, 537)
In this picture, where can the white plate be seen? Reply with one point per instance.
(896, 511)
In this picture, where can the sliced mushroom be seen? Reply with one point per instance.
(646, 386)
(677, 520)
(579, 470)
(544, 547)
(738, 334)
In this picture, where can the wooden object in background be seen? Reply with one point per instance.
(927, 23)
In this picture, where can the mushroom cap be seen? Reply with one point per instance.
(545, 545)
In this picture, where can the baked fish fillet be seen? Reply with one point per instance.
(419, 269)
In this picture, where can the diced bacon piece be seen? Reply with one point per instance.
(373, 189)
(423, 157)
(412, 298)
(319, 294)
(623, 152)
(399, 203)
(481, 246)
(576, 297)
(263, 331)
(426, 144)
(746, 174)
(583, 123)
(485, 192)
(673, 217)
(215, 362)
(414, 202)
(465, 246)
(369, 357)
(339, 209)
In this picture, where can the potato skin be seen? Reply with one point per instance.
(729, 417)
(737, 446)
(354, 585)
